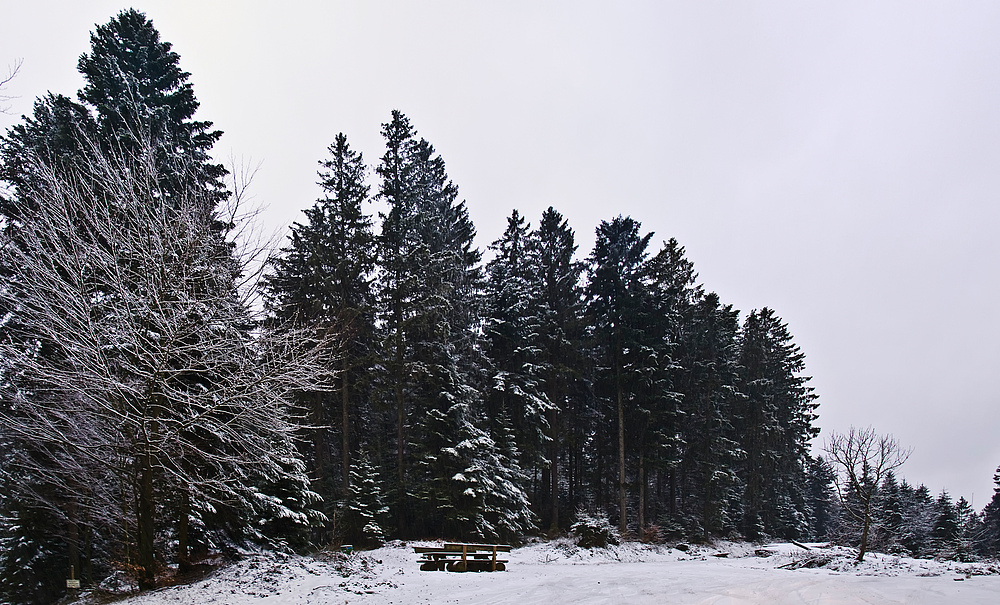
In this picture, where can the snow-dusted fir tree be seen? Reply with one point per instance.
(889, 516)
(397, 286)
(703, 370)
(32, 541)
(969, 524)
(435, 367)
(822, 499)
(563, 370)
(141, 97)
(322, 281)
(774, 424)
(363, 513)
(670, 291)
(947, 527)
(918, 519)
(511, 328)
(615, 308)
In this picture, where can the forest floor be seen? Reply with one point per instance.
(550, 573)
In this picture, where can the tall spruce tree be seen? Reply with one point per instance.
(615, 297)
(670, 295)
(451, 471)
(515, 396)
(562, 360)
(775, 425)
(707, 379)
(323, 279)
(396, 284)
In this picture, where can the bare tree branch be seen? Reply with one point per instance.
(4, 81)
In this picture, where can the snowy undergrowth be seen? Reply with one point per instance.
(844, 560)
(265, 575)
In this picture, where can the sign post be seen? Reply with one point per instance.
(72, 582)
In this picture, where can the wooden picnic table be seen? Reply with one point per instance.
(461, 556)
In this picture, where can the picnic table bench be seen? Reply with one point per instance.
(459, 556)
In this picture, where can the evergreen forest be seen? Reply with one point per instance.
(168, 389)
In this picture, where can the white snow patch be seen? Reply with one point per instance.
(550, 573)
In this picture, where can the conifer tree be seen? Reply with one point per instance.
(774, 424)
(968, 527)
(135, 85)
(511, 329)
(671, 294)
(562, 358)
(431, 311)
(364, 518)
(889, 515)
(614, 294)
(822, 500)
(990, 542)
(946, 530)
(397, 284)
(51, 134)
(323, 280)
(707, 380)
(918, 519)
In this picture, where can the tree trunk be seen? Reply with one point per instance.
(73, 542)
(554, 473)
(866, 523)
(87, 571)
(623, 520)
(572, 475)
(642, 494)
(673, 494)
(321, 442)
(346, 432)
(146, 523)
(541, 497)
(400, 416)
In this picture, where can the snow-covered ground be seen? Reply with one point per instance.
(549, 573)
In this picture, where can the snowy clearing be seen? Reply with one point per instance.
(559, 572)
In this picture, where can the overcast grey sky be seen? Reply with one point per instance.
(836, 161)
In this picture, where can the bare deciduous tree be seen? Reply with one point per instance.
(131, 363)
(863, 458)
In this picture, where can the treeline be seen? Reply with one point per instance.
(392, 384)
(910, 520)
(494, 400)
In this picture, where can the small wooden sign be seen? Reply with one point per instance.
(72, 583)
